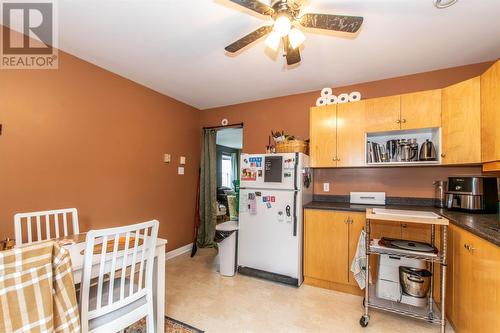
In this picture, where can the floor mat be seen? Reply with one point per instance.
(171, 326)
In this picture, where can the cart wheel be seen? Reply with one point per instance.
(363, 321)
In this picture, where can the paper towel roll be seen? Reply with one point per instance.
(321, 101)
(331, 99)
(354, 96)
(343, 98)
(325, 92)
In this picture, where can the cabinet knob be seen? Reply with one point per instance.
(404, 121)
(469, 247)
(398, 121)
(443, 155)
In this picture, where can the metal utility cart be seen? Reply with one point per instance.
(431, 313)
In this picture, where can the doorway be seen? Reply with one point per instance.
(229, 146)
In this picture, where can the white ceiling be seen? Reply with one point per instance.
(230, 137)
(176, 47)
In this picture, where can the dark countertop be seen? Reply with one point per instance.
(478, 224)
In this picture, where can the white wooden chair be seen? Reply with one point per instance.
(45, 225)
(122, 263)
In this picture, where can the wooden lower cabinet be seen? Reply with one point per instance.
(330, 243)
(326, 245)
(473, 282)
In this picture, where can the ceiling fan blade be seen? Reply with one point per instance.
(248, 39)
(332, 22)
(292, 55)
(255, 5)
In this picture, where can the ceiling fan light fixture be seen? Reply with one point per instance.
(285, 29)
(296, 38)
(282, 25)
(273, 41)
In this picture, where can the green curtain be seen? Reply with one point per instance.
(208, 190)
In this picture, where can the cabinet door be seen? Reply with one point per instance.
(462, 284)
(461, 122)
(485, 279)
(323, 136)
(383, 114)
(421, 109)
(490, 114)
(326, 245)
(351, 134)
(358, 223)
(450, 280)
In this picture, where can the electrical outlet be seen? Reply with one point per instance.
(167, 158)
(182, 160)
(326, 187)
(180, 170)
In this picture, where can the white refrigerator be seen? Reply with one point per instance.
(273, 190)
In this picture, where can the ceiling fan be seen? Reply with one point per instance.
(287, 19)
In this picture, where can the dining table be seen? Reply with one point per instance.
(76, 245)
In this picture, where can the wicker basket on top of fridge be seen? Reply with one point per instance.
(285, 143)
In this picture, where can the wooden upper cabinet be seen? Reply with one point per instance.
(383, 114)
(490, 114)
(461, 122)
(326, 245)
(351, 125)
(323, 136)
(421, 109)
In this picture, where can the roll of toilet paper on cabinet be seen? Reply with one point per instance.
(321, 101)
(325, 92)
(331, 99)
(343, 98)
(354, 96)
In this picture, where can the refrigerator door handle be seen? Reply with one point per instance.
(295, 172)
(295, 214)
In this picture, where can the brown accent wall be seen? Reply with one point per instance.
(291, 113)
(83, 137)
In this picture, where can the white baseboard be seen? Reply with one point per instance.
(179, 251)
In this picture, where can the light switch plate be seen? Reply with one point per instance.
(167, 158)
(180, 170)
(326, 187)
(182, 160)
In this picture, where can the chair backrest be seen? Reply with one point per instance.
(45, 225)
(129, 250)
